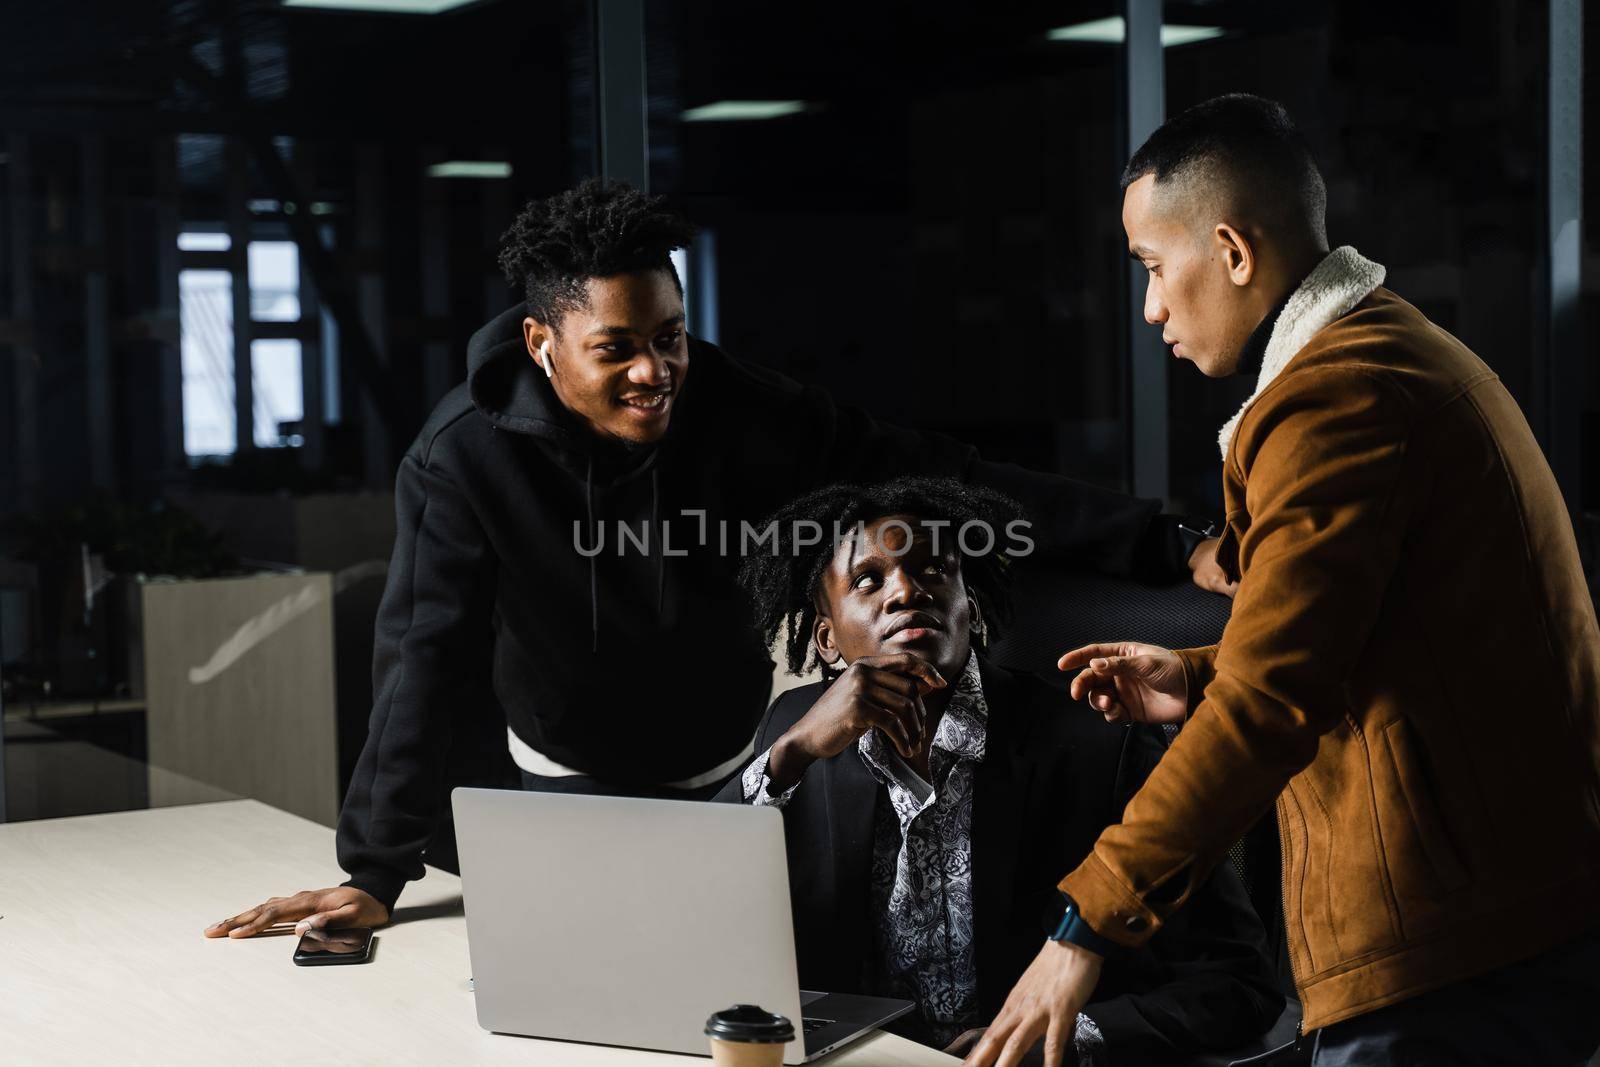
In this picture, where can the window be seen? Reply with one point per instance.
(274, 281)
(209, 369)
(275, 365)
(205, 317)
(275, 372)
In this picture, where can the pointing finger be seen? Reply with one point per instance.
(1106, 666)
(1080, 657)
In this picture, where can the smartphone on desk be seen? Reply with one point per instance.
(319, 947)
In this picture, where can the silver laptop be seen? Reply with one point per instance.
(629, 922)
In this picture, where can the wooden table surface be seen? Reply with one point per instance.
(102, 958)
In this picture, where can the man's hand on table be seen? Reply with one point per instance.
(1044, 1003)
(1207, 572)
(966, 1042)
(312, 909)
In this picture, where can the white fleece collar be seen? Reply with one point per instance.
(1342, 280)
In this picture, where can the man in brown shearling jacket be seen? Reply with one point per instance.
(1412, 669)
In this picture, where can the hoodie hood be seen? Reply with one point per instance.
(508, 388)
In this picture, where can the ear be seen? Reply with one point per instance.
(535, 334)
(822, 638)
(1238, 254)
(978, 629)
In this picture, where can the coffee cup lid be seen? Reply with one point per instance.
(751, 1025)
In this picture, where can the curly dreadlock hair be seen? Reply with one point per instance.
(599, 229)
(785, 583)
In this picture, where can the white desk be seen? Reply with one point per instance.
(101, 958)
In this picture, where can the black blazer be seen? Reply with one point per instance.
(1053, 776)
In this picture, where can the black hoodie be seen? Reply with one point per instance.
(642, 667)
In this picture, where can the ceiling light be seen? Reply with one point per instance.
(470, 168)
(744, 110)
(394, 7)
(1114, 30)
(1176, 35)
(199, 241)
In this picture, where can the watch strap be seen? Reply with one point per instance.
(1074, 928)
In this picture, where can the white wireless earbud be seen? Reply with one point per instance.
(544, 357)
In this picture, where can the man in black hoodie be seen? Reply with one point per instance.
(570, 523)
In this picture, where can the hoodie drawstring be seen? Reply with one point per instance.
(661, 549)
(655, 532)
(594, 579)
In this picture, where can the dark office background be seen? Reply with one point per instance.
(243, 245)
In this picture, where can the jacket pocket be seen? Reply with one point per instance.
(1410, 768)
(1292, 850)
(1228, 550)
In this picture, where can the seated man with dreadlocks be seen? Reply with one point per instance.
(931, 800)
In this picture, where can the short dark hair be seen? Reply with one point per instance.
(599, 229)
(1242, 138)
(785, 583)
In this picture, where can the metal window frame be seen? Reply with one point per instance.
(1143, 109)
(623, 135)
(1560, 385)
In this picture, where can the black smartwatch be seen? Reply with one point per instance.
(1063, 922)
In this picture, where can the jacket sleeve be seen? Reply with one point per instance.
(1321, 455)
(1199, 667)
(1071, 521)
(1207, 983)
(434, 625)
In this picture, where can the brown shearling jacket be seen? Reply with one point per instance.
(1412, 671)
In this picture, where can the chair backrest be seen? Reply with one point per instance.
(1059, 610)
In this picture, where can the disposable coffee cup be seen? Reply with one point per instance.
(747, 1036)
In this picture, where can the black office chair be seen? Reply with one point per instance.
(1058, 610)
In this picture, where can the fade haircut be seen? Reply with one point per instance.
(787, 584)
(598, 230)
(1245, 151)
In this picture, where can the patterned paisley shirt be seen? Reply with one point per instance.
(922, 868)
(921, 863)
